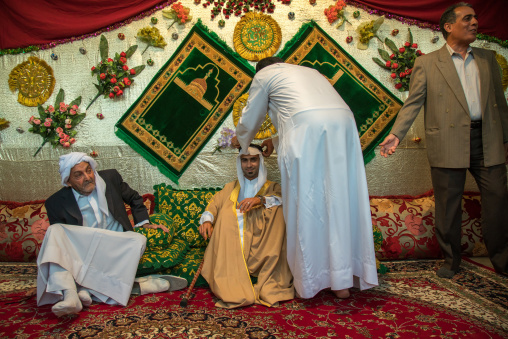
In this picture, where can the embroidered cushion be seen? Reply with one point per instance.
(155, 261)
(407, 225)
(185, 208)
(189, 266)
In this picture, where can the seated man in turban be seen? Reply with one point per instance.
(99, 260)
(245, 261)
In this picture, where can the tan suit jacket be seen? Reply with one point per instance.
(436, 85)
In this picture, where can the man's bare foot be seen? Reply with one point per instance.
(342, 294)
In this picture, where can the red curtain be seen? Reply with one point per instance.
(36, 22)
(490, 12)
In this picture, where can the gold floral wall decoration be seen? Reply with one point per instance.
(257, 36)
(34, 81)
(267, 129)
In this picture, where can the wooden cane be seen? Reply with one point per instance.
(186, 297)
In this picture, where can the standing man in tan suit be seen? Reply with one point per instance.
(466, 127)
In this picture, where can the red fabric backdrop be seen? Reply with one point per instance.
(24, 23)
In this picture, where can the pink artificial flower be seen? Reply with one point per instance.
(398, 86)
(133, 71)
(119, 93)
(69, 126)
(414, 45)
(402, 50)
(407, 44)
(110, 60)
(393, 75)
(409, 71)
(37, 122)
(59, 130)
(62, 141)
(39, 228)
(116, 89)
(127, 81)
(93, 68)
(47, 123)
(125, 67)
(72, 140)
(75, 107)
(61, 135)
(51, 109)
(68, 121)
(111, 95)
(63, 107)
(123, 55)
(395, 65)
(31, 120)
(102, 76)
(414, 224)
(72, 112)
(392, 56)
(388, 63)
(123, 60)
(402, 74)
(66, 144)
(113, 80)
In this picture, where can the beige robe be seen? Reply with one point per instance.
(227, 270)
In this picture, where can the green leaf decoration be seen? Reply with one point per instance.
(76, 101)
(410, 36)
(380, 63)
(103, 47)
(59, 98)
(78, 118)
(42, 113)
(384, 54)
(138, 69)
(131, 50)
(378, 24)
(391, 45)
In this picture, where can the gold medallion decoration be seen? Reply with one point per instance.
(267, 129)
(34, 81)
(256, 36)
(504, 70)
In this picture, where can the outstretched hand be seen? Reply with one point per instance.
(162, 227)
(269, 147)
(234, 142)
(206, 230)
(389, 145)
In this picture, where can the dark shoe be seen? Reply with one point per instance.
(445, 273)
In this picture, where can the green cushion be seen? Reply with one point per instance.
(189, 266)
(154, 261)
(185, 208)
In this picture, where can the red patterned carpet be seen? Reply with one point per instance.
(411, 302)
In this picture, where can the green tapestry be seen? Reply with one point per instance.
(185, 102)
(374, 107)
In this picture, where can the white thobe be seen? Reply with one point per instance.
(324, 188)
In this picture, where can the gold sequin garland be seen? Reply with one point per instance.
(34, 81)
(504, 70)
(267, 129)
(257, 36)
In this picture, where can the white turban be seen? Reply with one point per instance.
(262, 176)
(68, 161)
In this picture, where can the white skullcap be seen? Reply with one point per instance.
(68, 161)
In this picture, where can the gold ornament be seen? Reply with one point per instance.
(34, 80)
(504, 70)
(267, 129)
(257, 36)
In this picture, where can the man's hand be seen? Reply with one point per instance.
(269, 147)
(206, 230)
(389, 145)
(162, 227)
(249, 203)
(234, 142)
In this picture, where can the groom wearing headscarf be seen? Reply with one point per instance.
(245, 262)
(89, 253)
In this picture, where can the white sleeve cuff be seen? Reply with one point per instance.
(206, 216)
(139, 224)
(272, 201)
